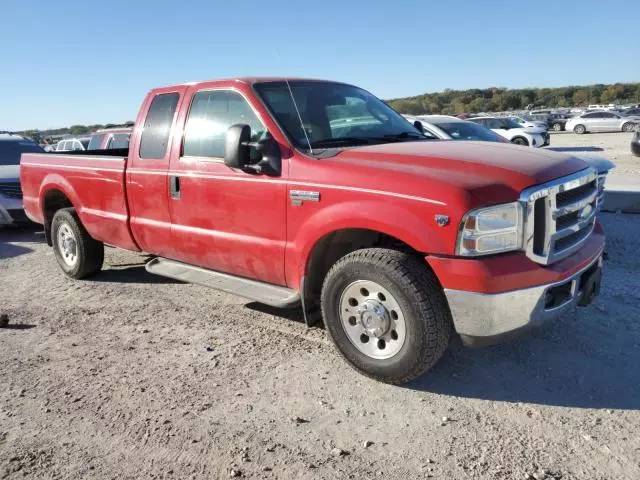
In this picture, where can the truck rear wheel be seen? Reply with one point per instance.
(386, 313)
(77, 253)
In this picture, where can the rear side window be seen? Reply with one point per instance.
(210, 116)
(157, 126)
(119, 140)
(95, 142)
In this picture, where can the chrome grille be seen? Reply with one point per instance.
(11, 189)
(602, 178)
(559, 215)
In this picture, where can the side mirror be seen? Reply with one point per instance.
(419, 126)
(237, 152)
(236, 148)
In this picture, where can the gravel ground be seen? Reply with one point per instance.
(614, 146)
(134, 376)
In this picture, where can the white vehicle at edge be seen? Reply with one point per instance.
(446, 127)
(11, 147)
(514, 132)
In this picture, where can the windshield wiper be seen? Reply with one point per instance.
(342, 141)
(405, 135)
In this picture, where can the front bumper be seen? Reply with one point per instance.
(11, 211)
(483, 319)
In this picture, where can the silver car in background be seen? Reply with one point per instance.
(602, 122)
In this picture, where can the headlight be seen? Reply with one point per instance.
(491, 230)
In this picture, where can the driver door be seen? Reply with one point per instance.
(224, 219)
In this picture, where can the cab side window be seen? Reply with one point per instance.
(96, 141)
(157, 126)
(119, 140)
(210, 116)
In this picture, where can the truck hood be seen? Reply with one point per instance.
(489, 172)
(9, 173)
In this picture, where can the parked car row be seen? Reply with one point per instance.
(106, 139)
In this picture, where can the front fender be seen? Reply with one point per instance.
(416, 227)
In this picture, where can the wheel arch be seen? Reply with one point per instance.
(520, 136)
(55, 194)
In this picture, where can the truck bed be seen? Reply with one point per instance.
(93, 181)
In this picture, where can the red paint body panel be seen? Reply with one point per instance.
(245, 224)
(503, 273)
(95, 186)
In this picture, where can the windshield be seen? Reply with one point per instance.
(468, 131)
(11, 150)
(334, 115)
(508, 123)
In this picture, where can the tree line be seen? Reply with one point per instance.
(495, 99)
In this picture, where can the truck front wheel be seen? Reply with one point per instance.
(386, 313)
(77, 253)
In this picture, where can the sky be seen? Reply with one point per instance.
(67, 62)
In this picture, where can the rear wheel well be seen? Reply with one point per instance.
(333, 246)
(54, 200)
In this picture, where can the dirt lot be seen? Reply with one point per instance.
(614, 146)
(133, 376)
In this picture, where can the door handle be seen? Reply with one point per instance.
(174, 187)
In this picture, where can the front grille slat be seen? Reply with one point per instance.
(574, 227)
(11, 189)
(578, 203)
(567, 219)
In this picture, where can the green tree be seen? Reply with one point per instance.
(580, 97)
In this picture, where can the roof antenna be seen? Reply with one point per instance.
(304, 130)
(295, 105)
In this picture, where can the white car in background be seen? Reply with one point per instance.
(514, 132)
(73, 144)
(446, 127)
(530, 122)
(602, 122)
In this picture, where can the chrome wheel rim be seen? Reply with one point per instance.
(557, 127)
(372, 319)
(67, 245)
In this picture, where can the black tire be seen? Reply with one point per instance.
(520, 141)
(89, 253)
(628, 127)
(418, 293)
(557, 127)
(579, 129)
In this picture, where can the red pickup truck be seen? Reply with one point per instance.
(313, 193)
